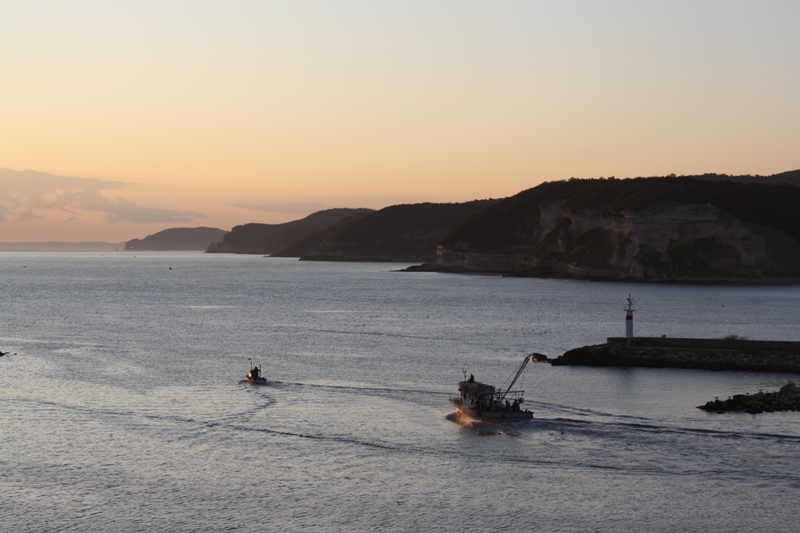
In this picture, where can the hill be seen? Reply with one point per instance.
(399, 233)
(686, 228)
(791, 177)
(267, 239)
(177, 239)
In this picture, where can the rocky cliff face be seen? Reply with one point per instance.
(664, 241)
(737, 232)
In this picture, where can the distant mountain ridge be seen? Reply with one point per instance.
(706, 228)
(399, 233)
(179, 239)
(268, 239)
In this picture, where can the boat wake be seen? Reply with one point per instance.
(482, 427)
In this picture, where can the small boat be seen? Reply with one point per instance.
(485, 402)
(255, 377)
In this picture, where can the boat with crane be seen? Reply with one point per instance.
(485, 402)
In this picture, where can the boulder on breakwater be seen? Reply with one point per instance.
(786, 399)
(704, 354)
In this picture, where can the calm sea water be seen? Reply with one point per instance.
(122, 406)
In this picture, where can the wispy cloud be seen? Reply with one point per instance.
(25, 193)
(284, 208)
(123, 210)
(27, 215)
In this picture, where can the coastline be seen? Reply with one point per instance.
(434, 267)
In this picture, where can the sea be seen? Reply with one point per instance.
(123, 406)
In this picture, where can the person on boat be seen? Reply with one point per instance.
(254, 372)
(471, 379)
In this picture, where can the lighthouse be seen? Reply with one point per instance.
(629, 318)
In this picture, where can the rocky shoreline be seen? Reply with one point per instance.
(622, 278)
(704, 354)
(786, 399)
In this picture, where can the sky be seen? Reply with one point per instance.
(120, 119)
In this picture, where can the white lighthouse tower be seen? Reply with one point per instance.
(629, 318)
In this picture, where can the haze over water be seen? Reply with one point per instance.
(122, 407)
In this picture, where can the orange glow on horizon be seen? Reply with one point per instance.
(214, 116)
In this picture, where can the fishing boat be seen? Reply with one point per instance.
(486, 402)
(255, 377)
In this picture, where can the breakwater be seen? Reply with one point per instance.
(705, 354)
(786, 399)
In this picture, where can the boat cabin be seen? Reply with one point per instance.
(483, 397)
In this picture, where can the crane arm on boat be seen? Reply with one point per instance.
(517, 375)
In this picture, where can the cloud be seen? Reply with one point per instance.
(27, 215)
(30, 182)
(284, 208)
(24, 192)
(123, 210)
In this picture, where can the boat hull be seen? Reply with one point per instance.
(256, 381)
(494, 415)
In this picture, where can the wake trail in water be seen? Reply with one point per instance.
(576, 410)
(365, 389)
(589, 427)
(552, 443)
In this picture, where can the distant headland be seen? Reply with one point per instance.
(712, 228)
(399, 233)
(177, 239)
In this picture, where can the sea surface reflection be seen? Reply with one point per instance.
(122, 405)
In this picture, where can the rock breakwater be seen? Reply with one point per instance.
(705, 354)
(786, 399)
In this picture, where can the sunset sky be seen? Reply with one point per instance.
(119, 119)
